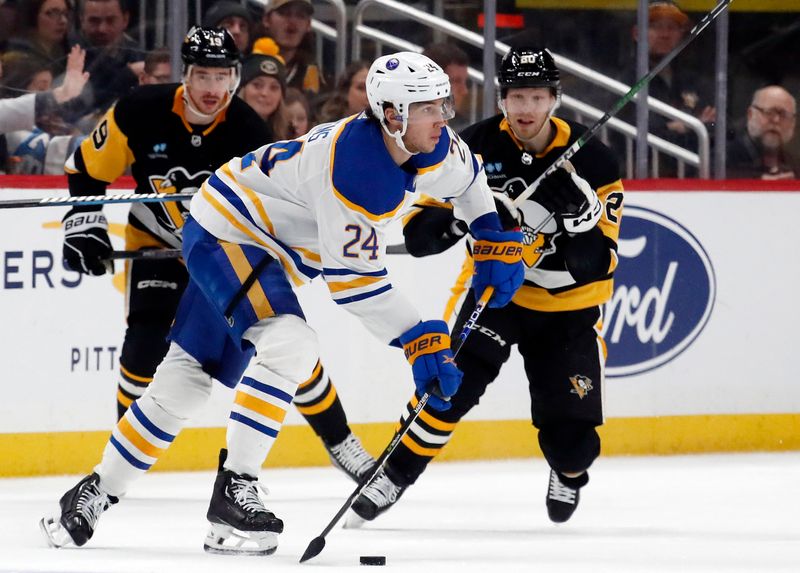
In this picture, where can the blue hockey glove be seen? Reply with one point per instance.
(498, 263)
(87, 248)
(427, 348)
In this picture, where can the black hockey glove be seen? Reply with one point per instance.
(510, 216)
(570, 197)
(87, 248)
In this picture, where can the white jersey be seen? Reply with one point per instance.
(320, 204)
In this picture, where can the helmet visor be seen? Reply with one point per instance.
(435, 110)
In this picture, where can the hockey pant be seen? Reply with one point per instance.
(153, 290)
(563, 355)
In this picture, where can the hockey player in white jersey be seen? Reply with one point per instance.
(263, 225)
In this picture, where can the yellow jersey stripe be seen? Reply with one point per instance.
(243, 268)
(355, 283)
(253, 198)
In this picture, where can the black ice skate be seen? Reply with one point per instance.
(374, 499)
(239, 521)
(81, 508)
(351, 457)
(563, 495)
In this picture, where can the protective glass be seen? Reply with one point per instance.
(432, 111)
(529, 101)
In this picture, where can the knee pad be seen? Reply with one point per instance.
(180, 387)
(285, 345)
(569, 447)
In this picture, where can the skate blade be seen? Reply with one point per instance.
(54, 533)
(353, 521)
(225, 540)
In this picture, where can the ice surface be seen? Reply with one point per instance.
(731, 513)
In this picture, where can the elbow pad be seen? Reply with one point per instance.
(433, 231)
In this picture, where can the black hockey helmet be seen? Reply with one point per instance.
(209, 47)
(529, 68)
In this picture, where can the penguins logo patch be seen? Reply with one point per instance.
(581, 385)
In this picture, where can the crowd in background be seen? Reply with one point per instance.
(284, 84)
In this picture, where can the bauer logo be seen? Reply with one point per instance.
(664, 291)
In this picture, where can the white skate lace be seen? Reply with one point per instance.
(351, 456)
(92, 502)
(382, 492)
(245, 494)
(560, 492)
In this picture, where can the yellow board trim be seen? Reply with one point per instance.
(29, 454)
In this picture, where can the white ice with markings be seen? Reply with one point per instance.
(725, 513)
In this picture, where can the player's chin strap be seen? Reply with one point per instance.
(209, 117)
(398, 135)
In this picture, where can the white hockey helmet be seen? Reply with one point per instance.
(402, 79)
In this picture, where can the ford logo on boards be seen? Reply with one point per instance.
(664, 291)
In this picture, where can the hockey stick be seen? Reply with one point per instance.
(147, 254)
(95, 200)
(318, 543)
(622, 102)
(398, 249)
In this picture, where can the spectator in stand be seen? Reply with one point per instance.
(27, 121)
(233, 17)
(262, 88)
(678, 85)
(157, 68)
(455, 62)
(298, 112)
(114, 60)
(760, 152)
(288, 23)
(350, 95)
(44, 26)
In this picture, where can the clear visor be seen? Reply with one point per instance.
(212, 79)
(435, 110)
(529, 101)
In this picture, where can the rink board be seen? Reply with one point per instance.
(701, 335)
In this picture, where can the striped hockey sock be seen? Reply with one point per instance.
(259, 408)
(138, 440)
(318, 402)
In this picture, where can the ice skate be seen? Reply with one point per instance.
(81, 508)
(351, 457)
(375, 499)
(563, 495)
(239, 522)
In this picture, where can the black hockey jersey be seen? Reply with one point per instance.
(548, 285)
(147, 131)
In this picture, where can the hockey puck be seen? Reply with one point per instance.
(372, 560)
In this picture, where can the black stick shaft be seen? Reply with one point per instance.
(623, 101)
(147, 254)
(462, 337)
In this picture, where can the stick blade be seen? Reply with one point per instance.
(314, 548)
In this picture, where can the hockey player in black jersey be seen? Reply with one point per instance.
(172, 137)
(555, 317)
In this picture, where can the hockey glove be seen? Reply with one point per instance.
(570, 197)
(87, 248)
(427, 348)
(510, 216)
(498, 263)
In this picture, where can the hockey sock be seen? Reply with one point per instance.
(259, 408)
(138, 440)
(318, 402)
(129, 388)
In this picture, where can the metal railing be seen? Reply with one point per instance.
(700, 160)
